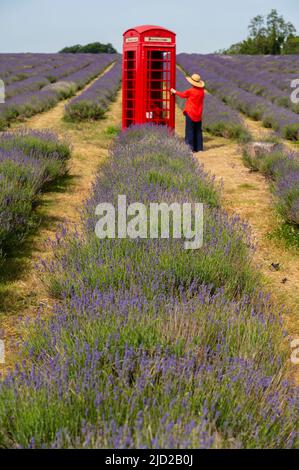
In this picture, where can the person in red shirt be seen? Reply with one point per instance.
(193, 111)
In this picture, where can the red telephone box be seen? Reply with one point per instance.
(149, 71)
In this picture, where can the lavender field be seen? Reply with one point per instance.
(140, 343)
(149, 346)
(94, 102)
(258, 87)
(30, 160)
(36, 82)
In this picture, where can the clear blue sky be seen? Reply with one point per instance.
(201, 26)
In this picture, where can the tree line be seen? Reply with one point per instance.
(270, 35)
(92, 48)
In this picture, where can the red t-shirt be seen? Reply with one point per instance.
(194, 104)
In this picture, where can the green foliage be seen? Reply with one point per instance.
(92, 48)
(292, 45)
(31, 144)
(229, 131)
(265, 163)
(288, 233)
(112, 131)
(270, 35)
(291, 132)
(3, 124)
(84, 111)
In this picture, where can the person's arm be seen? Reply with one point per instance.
(181, 94)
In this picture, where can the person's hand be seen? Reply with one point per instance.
(173, 91)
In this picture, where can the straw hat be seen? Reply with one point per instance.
(195, 80)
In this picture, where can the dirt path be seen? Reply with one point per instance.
(259, 132)
(248, 195)
(22, 292)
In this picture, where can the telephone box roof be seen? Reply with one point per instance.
(143, 28)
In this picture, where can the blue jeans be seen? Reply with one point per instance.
(194, 134)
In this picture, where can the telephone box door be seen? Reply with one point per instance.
(159, 78)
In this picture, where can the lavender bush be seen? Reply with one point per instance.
(282, 167)
(28, 161)
(30, 84)
(94, 102)
(150, 346)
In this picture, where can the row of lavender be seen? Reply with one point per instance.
(275, 87)
(247, 71)
(45, 66)
(93, 102)
(219, 119)
(15, 67)
(285, 64)
(43, 90)
(278, 71)
(282, 167)
(43, 74)
(29, 160)
(230, 83)
(153, 345)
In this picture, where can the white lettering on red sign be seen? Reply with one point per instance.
(156, 39)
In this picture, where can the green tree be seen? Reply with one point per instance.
(291, 45)
(72, 49)
(278, 31)
(257, 27)
(92, 48)
(267, 35)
